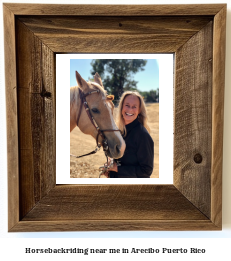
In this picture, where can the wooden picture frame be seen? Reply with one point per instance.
(33, 34)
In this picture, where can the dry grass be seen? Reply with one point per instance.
(88, 167)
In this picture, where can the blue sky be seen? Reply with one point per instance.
(147, 79)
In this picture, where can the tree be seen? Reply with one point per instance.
(117, 74)
(151, 96)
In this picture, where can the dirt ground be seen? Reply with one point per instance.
(88, 167)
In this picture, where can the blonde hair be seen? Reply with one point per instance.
(142, 117)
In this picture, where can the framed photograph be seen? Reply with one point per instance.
(35, 36)
(154, 82)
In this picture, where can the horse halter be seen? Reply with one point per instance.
(100, 132)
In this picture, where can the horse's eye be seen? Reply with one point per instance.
(95, 110)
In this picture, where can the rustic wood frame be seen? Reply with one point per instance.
(33, 34)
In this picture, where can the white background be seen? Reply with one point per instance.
(217, 243)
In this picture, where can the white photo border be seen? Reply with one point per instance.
(166, 90)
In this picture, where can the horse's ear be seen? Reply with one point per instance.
(110, 97)
(81, 82)
(98, 80)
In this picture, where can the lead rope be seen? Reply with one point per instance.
(103, 169)
(90, 153)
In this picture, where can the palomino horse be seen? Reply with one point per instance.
(99, 119)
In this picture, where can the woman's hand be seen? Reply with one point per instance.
(113, 167)
(105, 174)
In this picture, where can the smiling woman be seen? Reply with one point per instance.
(138, 158)
(131, 108)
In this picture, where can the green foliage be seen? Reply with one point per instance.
(151, 96)
(117, 74)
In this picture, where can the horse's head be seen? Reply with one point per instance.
(101, 108)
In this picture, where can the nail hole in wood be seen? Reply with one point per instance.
(45, 94)
(198, 158)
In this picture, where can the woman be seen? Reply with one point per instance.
(137, 161)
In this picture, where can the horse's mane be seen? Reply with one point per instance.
(74, 94)
(74, 91)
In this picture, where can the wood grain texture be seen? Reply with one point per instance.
(114, 202)
(218, 115)
(194, 201)
(112, 207)
(114, 225)
(12, 122)
(35, 66)
(193, 114)
(114, 10)
(114, 34)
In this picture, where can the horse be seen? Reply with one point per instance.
(97, 117)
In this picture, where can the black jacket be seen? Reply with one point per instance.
(137, 161)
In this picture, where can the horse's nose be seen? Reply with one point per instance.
(117, 152)
(118, 149)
